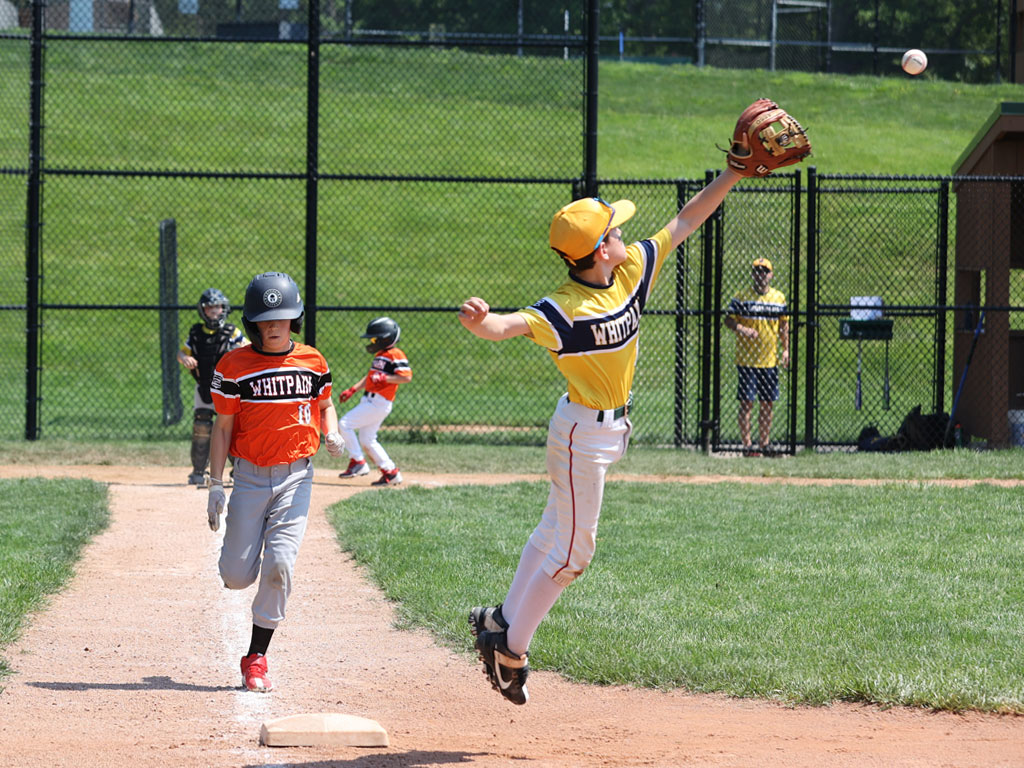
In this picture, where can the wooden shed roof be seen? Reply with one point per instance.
(1006, 118)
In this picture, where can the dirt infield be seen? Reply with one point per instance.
(136, 664)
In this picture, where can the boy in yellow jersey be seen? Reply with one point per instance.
(273, 400)
(589, 325)
(757, 316)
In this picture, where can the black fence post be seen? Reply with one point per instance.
(707, 297)
(579, 189)
(874, 42)
(812, 300)
(699, 32)
(590, 128)
(679, 380)
(1013, 41)
(941, 295)
(168, 290)
(794, 313)
(34, 223)
(714, 318)
(999, 41)
(312, 164)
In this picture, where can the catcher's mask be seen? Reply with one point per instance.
(271, 296)
(214, 298)
(383, 334)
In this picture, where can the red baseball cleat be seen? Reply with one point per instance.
(254, 672)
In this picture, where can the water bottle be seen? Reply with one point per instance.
(958, 437)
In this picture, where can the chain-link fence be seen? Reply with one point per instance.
(916, 295)
(878, 274)
(394, 176)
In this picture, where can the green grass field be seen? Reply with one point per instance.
(902, 593)
(392, 247)
(894, 595)
(43, 526)
(521, 459)
(898, 594)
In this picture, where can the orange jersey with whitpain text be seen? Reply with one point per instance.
(275, 400)
(394, 361)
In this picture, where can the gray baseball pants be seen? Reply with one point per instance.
(266, 520)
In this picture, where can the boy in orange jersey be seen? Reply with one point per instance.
(273, 400)
(389, 368)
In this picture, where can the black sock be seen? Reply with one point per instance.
(260, 640)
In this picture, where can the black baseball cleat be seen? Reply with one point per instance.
(388, 477)
(506, 671)
(486, 619)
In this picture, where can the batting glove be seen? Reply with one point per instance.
(347, 394)
(377, 377)
(335, 445)
(215, 503)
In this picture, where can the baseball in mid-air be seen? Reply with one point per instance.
(914, 62)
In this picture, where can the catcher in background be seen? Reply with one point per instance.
(390, 367)
(206, 344)
(757, 316)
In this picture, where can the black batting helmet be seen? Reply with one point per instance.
(212, 297)
(271, 296)
(383, 334)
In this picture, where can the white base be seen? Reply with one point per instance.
(323, 729)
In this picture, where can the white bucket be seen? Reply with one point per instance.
(1016, 421)
(875, 304)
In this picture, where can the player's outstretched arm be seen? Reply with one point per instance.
(345, 395)
(699, 207)
(475, 314)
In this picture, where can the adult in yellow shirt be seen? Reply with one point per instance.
(758, 316)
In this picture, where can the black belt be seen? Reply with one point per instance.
(618, 413)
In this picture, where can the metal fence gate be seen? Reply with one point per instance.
(876, 297)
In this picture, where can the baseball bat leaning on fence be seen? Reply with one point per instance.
(858, 394)
(963, 378)
(885, 385)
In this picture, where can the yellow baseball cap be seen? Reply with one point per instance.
(762, 262)
(579, 227)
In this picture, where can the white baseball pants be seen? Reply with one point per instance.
(367, 417)
(266, 520)
(580, 450)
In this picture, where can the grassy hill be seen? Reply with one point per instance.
(384, 246)
(661, 121)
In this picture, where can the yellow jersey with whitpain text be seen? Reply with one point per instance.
(592, 331)
(762, 312)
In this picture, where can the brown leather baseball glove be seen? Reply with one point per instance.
(766, 138)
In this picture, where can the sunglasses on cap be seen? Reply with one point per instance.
(611, 216)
